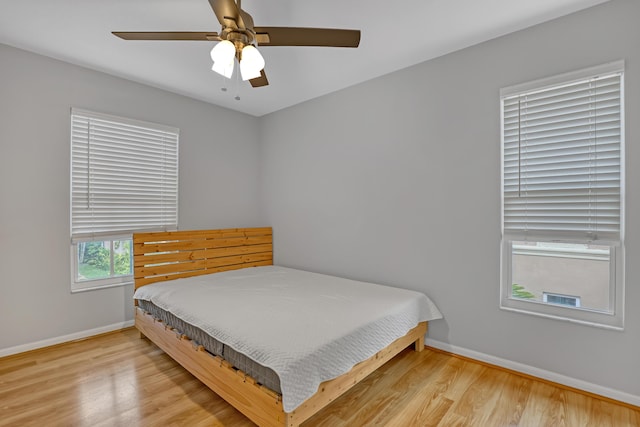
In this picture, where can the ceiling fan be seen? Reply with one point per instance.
(238, 37)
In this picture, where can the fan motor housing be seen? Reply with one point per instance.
(239, 38)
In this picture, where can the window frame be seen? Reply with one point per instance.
(608, 320)
(135, 157)
(547, 295)
(107, 282)
(614, 317)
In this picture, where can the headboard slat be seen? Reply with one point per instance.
(160, 256)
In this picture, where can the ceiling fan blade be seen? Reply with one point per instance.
(247, 19)
(227, 12)
(260, 81)
(292, 36)
(167, 35)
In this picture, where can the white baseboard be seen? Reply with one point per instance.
(65, 338)
(537, 372)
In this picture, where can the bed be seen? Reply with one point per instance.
(277, 343)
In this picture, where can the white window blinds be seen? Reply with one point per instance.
(562, 159)
(124, 175)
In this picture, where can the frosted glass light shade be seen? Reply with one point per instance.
(223, 69)
(223, 55)
(251, 63)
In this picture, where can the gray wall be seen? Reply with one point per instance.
(397, 180)
(219, 169)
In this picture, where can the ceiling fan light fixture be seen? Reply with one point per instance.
(251, 63)
(223, 55)
(237, 35)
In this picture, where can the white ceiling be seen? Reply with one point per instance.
(395, 35)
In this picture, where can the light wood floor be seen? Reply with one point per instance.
(119, 379)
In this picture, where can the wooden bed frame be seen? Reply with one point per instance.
(170, 255)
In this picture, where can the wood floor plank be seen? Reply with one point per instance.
(541, 402)
(478, 401)
(457, 377)
(118, 379)
(511, 402)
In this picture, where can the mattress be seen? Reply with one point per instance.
(306, 327)
(261, 374)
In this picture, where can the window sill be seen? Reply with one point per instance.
(97, 287)
(588, 318)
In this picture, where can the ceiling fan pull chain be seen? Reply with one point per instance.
(237, 97)
(223, 87)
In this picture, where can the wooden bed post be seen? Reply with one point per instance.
(419, 344)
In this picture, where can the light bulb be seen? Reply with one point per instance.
(251, 63)
(223, 55)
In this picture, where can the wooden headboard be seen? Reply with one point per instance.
(161, 256)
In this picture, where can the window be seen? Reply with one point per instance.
(569, 301)
(562, 198)
(124, 178)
